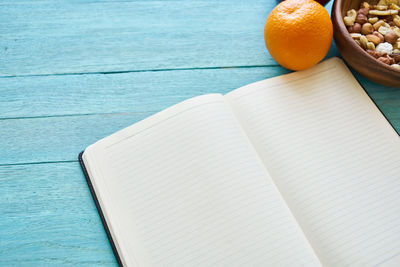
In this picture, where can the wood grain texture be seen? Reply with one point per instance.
(57, 138)
(129, 92)
(140, 92)
(49, 218)
(48, 37)
(62, 138)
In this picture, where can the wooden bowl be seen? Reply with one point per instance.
(353, 54)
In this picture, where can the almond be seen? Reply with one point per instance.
(373, 38)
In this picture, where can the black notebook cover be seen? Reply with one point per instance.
(103, 220)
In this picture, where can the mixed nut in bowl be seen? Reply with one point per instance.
(367, 34)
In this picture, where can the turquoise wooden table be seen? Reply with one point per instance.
(72, 72)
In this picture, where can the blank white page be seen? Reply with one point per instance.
(185, 188)
(333, 156)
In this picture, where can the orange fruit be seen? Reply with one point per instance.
(298, 33)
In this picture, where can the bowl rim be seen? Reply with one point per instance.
(336, 11)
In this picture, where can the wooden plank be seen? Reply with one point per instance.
(62, 138)
(49, 218)
(48, 37)
(57, 138)
(128, 92)
(133, 92)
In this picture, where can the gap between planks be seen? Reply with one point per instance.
(78, 115)
(133, 71)
(37, 163)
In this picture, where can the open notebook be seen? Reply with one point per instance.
(297, 170)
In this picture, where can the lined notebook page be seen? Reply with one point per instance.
(185, 188)
(333, 156)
